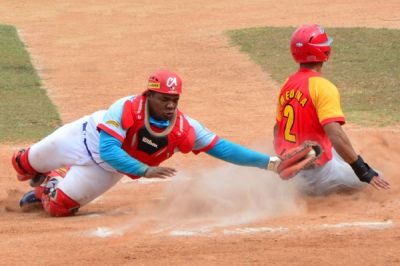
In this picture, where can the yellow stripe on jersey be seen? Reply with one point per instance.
(278, 105)
(326, 99)
(278, 112)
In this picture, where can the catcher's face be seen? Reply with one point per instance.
(162, 106)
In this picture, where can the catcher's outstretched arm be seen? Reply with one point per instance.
(342, 145)
(237, 154)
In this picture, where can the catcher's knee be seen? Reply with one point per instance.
(21, 164)
(58, 204)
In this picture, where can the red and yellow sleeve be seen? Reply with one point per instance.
(326, 99)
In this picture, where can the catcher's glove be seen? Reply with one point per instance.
(296, 159)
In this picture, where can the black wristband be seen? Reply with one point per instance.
(362, 170)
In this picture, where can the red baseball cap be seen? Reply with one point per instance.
(164, 81)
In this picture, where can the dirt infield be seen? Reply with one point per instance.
(90, 53)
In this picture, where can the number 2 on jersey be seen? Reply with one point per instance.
(288, 112)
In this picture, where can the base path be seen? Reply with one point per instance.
(90, 53)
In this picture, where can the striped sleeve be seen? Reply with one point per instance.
(326, 99)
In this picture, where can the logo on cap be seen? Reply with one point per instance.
(172, 83)
(153, 85)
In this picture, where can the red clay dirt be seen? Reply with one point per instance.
(90, 53)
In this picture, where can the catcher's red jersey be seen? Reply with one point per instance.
(306, 103)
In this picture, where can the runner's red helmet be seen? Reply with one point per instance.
(164, 81)
(309, 43)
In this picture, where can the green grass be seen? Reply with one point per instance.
(27, 113)
(365, 66)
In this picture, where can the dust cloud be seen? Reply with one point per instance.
(227, 196)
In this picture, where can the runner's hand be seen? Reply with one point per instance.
(379, 183)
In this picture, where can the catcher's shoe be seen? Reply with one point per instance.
(30, 201)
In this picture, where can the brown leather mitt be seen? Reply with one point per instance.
(296, 159)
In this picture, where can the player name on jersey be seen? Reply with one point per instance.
(293, 94)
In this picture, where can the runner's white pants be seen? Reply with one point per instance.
(85, 181)
(333, 176)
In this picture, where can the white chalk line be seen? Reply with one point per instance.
(105, 232)
(255, 230)
(198, 232)
(374, 225)
(369, 225)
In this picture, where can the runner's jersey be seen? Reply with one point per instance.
(306, 103)
(112, 120)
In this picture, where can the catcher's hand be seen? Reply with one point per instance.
(296, 159)
(159, 172)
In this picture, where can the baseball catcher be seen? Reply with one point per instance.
(133, 137)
